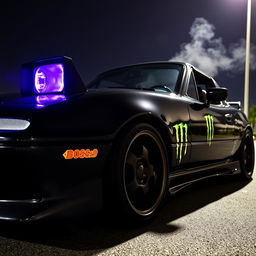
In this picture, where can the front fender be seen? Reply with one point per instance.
(104, 113)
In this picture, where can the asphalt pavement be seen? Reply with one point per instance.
(213, 217)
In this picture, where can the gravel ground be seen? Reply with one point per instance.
(214, 217)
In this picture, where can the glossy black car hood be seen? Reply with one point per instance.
(95, 112)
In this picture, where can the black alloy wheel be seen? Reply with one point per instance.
(141, 172)
(247, 156)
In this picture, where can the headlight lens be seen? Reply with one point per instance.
(49, 78)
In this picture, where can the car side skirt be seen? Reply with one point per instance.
(183, 178)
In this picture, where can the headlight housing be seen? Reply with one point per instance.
(50, 76)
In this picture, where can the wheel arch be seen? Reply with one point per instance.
(248, 127)
(247, 169)
(157, 122)
(238, 152)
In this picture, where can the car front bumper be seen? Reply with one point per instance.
(37, 181)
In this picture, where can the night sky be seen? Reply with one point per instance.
(99, 35)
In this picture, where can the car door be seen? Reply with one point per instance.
(211, 129)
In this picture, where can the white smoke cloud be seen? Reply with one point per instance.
(209, 54)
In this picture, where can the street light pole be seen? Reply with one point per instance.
(247, 58)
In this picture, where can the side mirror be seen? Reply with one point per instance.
(217, 94)
(235, 104)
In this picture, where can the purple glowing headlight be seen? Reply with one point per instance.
(49, 78)
(56, 75)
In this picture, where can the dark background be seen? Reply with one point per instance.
(99, 35)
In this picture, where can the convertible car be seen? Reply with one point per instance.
(118, 143)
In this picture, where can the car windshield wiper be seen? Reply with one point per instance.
(121, 87)
(155, 88)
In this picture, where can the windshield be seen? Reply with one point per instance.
(160, 77)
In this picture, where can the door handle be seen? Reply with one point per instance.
(229, 117)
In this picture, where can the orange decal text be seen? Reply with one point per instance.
(80, 153)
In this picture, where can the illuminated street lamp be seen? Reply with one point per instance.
(247, 58)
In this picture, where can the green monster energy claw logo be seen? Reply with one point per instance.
(210, 128)
(181, 130)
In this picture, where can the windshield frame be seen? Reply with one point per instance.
(94, 82)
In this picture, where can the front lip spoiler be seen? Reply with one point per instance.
(21, 210)
(85, 198)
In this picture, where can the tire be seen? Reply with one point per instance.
(246, 156)
(138, 178)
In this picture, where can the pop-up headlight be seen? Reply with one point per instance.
(50, 76)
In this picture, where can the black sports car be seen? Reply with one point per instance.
(118, 143)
